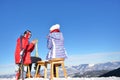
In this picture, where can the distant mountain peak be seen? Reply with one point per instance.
(91, 65)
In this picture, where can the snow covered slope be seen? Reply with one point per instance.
(95, 78)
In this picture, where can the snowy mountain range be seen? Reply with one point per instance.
(83, 70)
(97, 69)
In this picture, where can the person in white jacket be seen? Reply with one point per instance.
(55, 44)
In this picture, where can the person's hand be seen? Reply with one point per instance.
(34, 41)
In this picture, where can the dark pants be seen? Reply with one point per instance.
(54, 69)
(34, 60)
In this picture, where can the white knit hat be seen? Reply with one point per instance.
(56, 26)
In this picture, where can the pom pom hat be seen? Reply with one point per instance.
(56, 26)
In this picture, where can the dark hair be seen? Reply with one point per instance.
(27, 32)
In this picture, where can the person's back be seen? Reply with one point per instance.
(56, 43)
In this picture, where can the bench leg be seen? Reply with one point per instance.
(51, 71)
(28, 71)
(37, 70)
(64, 70)
(57, 70)
(45, 71)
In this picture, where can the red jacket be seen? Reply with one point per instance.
(28, 47)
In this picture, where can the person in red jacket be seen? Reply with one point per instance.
(24, 44)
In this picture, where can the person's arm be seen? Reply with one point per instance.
(25, 43)
(49, 43)
(28, 46)
(31, 46)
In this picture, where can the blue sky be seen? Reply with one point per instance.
(91, 28)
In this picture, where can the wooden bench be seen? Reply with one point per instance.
(42, 63)
(57, 62)
(20, 70)
(29, 74)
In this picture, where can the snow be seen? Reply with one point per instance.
(94, 78)
(91, 65)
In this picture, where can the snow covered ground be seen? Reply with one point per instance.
(95, 78)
